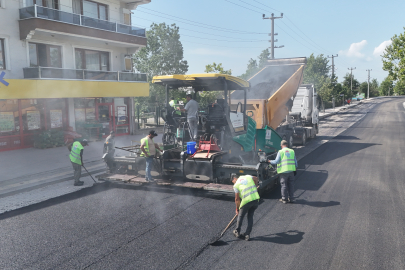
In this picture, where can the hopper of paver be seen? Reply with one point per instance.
(276, 84)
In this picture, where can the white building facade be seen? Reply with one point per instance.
(67, 65)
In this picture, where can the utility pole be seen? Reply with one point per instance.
(368, 83)
(351, 80)
(333, 64)
(272, 34)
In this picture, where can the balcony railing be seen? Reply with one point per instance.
(81, 74)
(77, 19)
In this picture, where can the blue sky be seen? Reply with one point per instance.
(233, 31)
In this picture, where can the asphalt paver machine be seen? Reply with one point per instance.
(225, 144)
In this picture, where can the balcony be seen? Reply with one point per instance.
(46, 19)
(82, 74)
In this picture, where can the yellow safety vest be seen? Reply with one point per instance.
(287, 161)
(247, 189)
(75, 153)
(146, 146)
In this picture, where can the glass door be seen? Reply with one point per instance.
(105, 117)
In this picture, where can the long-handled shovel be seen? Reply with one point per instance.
(213, 241)
(89, 174)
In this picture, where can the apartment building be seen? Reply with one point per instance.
(67, 64)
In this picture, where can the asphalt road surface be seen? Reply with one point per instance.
(349, 214)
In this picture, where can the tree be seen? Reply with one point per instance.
(399, 88)
(162, 55)
(373, 92)
(349, 81)
(254, 66)
(214, 68)
(207, 97)
(394, 58)
(316, 71)
(386, 87)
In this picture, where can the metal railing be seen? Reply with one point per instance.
(81, 74)
(77, 19)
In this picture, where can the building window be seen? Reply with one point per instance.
(45, 55)
(45, 3)
(90, 9)
(127, 16)
(92, 60)
(2, 55)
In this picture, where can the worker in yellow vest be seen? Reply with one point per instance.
(287, 169)
(76, 157)
(149, 148)
(246, 200)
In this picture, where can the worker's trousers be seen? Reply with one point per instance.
(77, 171)
(149, 166)
(248, 209)
(193, 125)
(287, 185)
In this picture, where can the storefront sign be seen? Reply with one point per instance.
(33, 120)
(90, 113)
(80, 115)
(7, 121)
(56, 118)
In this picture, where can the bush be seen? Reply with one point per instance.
(48, 139)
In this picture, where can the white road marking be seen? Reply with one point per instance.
(403, 104)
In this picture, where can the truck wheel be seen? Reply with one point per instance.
(304, 138)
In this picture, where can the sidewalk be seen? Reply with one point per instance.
(33, 175)
(331, 111)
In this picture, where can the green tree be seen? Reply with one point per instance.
(316, 70)
(399, 88)
(394, 58)
(214, 68)
(386, 87)
(373, 92)
(350, 82)
(254, 66)
(206, 97)
(163, 55)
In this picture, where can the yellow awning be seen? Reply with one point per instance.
(209, 81)
(33, 89)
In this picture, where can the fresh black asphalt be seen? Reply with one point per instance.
(349, 214)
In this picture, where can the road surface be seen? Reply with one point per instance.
(348, 214)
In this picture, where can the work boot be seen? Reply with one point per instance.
(291, 200)
(236, 233)
(78, 183)
(283, 201)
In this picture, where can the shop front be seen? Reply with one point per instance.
(28, 113)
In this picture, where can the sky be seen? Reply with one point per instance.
(233, 31)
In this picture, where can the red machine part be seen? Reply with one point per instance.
(210, 146)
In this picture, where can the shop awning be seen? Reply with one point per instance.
(33, 89)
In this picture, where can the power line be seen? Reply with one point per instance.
(333, 65)
(182, 28)
(316, 49)
(198, 24)
(272, 18)
(313, 42)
